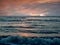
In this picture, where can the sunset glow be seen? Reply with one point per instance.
(42, 14)
(34, 14)
(29, 7)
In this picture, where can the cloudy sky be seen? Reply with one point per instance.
(30, 7)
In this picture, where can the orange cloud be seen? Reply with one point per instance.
(11, 7)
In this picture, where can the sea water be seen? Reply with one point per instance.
(30, 26)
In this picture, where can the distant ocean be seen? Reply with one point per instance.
(30, 26)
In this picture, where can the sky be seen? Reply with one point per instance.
(29, 7)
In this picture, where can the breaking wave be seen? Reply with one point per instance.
(18, 40)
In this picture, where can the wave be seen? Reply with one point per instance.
(18, 40)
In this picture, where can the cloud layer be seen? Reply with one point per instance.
(29, 7)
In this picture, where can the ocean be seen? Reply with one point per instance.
(29, 30)
(39, 26)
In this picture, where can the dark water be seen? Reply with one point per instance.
(30, 26)
(18, 40)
